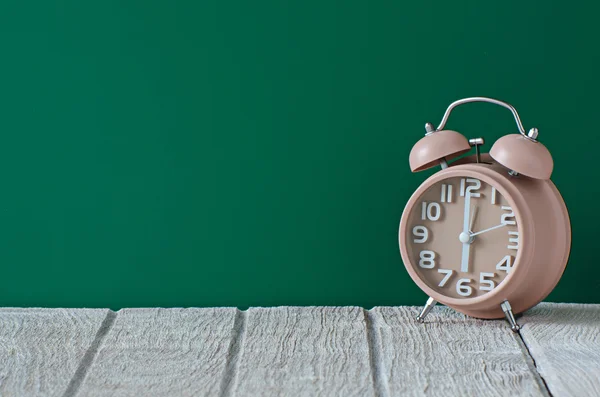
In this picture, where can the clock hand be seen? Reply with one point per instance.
(464, 264)
(487, 230)
(464, 236)
(467, 212)
(473, 215)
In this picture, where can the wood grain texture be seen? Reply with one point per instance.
(309, 351)
(163, 352)
(297, 351)
(564, 341)
(449, 355)
(41, 349)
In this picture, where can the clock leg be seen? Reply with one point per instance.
(510, 317)
(428, 306)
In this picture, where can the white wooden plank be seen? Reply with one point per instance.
(163, 352)
(310, 351)
(564, 341)
(41, 349)
(449, 355)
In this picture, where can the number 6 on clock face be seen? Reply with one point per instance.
(462, 245)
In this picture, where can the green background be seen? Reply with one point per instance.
(208, 153)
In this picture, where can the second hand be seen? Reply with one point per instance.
(487, 230)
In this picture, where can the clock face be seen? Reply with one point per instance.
(462, 237)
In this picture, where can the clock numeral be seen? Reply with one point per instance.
(431, 211)
(505, 264)
(421, 233)
(514, 240)
(485, 284)
(509, 217)
(463, 288)
(493, 198)
(427, 259)
(471, 190)
(446, 193)
(448, 273)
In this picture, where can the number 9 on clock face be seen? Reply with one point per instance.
(462, 237)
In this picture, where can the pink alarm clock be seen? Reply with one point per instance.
(489, 234)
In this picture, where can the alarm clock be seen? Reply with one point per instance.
(488, 234)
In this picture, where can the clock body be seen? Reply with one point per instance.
(473, 236)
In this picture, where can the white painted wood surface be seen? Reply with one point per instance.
(294, 351)
(311, 351)
(564, 340)
(41, 349)
(163, 352)
(449, 355)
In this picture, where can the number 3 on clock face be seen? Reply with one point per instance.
(462, 237)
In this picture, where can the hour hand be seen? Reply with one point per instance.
(473, 215)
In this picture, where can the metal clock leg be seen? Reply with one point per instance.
(510, 317)
(428, 306)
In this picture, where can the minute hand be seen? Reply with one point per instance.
(464, 262)
(489, 229)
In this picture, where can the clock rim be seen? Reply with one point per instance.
(524, 220)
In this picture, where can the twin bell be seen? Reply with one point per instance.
(520, 153)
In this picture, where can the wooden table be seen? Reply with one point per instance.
(297, 351)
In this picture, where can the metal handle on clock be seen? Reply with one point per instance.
(531, 135)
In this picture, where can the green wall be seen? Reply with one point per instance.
(203, 153)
